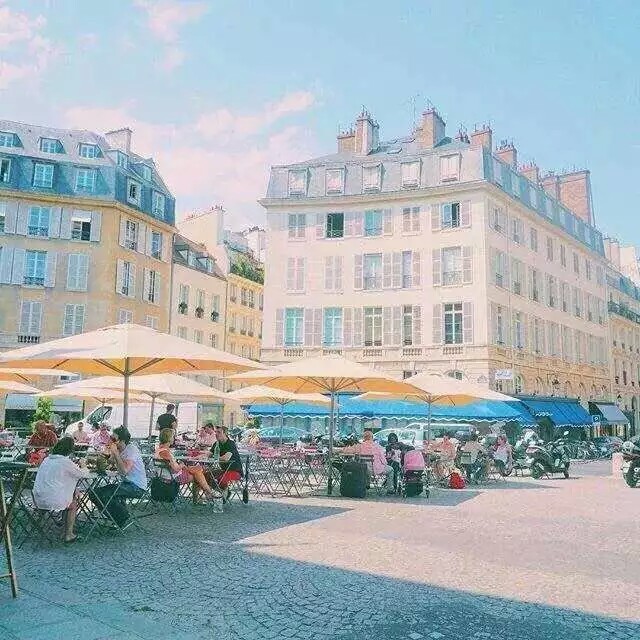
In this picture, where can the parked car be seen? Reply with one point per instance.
(271, 435)
(415, 433)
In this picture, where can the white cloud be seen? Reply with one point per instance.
(25, 52)
(230, 169)
(165, 20)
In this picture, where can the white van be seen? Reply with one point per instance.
(415, 433)
(112, 414)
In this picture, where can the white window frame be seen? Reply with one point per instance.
(156, 252)
(376, 273)
(411, 222)
(296, 318)
(410, 174)
(296, 231)
(138, 198)
(5, 176)
(125, 316)
(47, 142)
(334, 181)
(38, 275)
(371, 177)
(147, 173)
(151, 322)
(43, 175)
(297, 182)
(122, 160)
(372, 320)
(88, 150)
(158, 204)
(3, 216)
(454, 274)
(83, 184)
(76, 314)
(450, 168)
(82, 219)
(152, 293)
(131, 235)
(42, 232)
(7, 139)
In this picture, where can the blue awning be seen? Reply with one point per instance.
(610, 413)
(563, 412)
(350, 407)
(24, 402)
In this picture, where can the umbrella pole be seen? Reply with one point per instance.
(153, 404)
(281, 420)
(428, 424)
(331, 431)
(125, 409)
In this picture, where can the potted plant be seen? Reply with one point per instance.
(199, 312)
(182, 307)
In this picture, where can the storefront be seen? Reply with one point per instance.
(554, 415)
(612, 421)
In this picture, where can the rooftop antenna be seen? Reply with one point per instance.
(413, 105)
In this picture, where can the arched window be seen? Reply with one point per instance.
(539, 386)
(518, 384)
(458, 375)
(568, 389)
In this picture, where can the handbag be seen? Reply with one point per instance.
(164, 490)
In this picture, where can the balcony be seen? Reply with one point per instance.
(41, 232)
(327, 351)
(215, 316)
(250, 333)
(411, 352)
(624, 312)
(199, 312)
(293, 353)
(450, 278)
(27, 339)
(34, 281)
(243, 332)
(452, 350)
(372, 353)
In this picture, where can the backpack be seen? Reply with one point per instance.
(353, 480)
(456, 481)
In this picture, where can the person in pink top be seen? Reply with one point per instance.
(369, 447)
(102, 437)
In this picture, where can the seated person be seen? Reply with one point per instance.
(369, 447)
(206, 436)
(102, 437)
(44, 436)
(80, 436)
(7, 438)
(226, 451)
(476, 457)
(447, 450)
(181, 473)
(55, 484)
(502, 453)
(128, 461)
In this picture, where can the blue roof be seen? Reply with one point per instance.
(349, 406)
(563, 412)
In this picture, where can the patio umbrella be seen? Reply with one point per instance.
(126, 350)
(329, 374)
(439, 389)
(27, 375)
(169, 386)
(99, 395)
(268, 395)
(17, 387)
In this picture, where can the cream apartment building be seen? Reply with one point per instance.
(425, 252)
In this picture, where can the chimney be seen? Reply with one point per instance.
(575, 193)
(531, 172)
(612, 252)
(347, 141)
(482, 137)
(366, 136)
(432, 130)
(551, 185)
(120, 139)
(507, 153)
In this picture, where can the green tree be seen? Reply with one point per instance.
(44, 410)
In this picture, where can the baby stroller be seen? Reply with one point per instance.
(412, 477)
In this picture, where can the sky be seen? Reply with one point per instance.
(218, 90)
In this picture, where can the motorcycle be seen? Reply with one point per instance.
(549, 458)
(631, 461)
(519, 451)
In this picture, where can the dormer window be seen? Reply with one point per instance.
(134, 192)
(88, 150)
(450, 168)
(8, 139)
(122, 160)
(158, 205)
(147, 174)
(334, 181)
(50, 145)
(298, 182)
(371, 177)
(410, 173)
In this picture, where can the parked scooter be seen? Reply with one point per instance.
(631, 461)
(519, 451)
(550, 458)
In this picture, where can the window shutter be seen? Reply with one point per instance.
(96, 226)
(348, 224)
(415, 260)
(435, 217)
(123, 230)
(22, 219)
(358, 223)
(415, 217)
(279, 327)
(493, 323)
(357, 271)
(387, 259)
(506, 271)
(328, 273)
(465, 213)
(467, 265)
(119, 276)
(437, 324)
(18, 266)
(11, 216)
(65, 224)
(35, 324)
(132, 281)
(300, 275)
(337, 273)
(72, 271)
(396, 270)
(387, 326)
(397, 326)
(525, 331)
(347, 327)
(417, 325)
(317, 327)
(54, 227)
(142, 237)
(25, 318)
(321, 225)
(357, 327)
(158, 289)
(308, 327)
(147, 241)
(69, 318)
(50, 274)
(291, 280)
(436, 267)
(387, 216)
(406, 220)
(146, 284)
(467, 322)
(6, 263)
(83, 271)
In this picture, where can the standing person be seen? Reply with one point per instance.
(44, 435)
(130, 466)
(55, 484)
(167, 420)
(226, 451)
(80, 436)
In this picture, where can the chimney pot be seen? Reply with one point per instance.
(432, 129)
(482, 137)
(120, 139)
(508, 153)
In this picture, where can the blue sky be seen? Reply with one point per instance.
(218, 90)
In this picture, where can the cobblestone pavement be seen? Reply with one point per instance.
(525, 560)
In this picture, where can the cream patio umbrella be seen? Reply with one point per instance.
(99, 395)
(9, 386)
(126, 350)
(329, 374)
(439, 389)
(260, 394)
(27, 375)
(169, 386)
